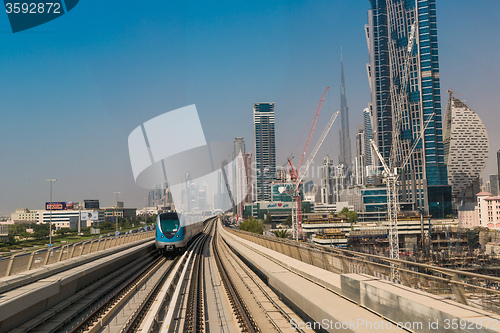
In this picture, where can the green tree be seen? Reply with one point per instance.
(252, 225)
(12, 239)
(288, 221)
(41, 234)
(63, 231)
(281, 233)
(268, 219)
(107, 226)
(352, 216)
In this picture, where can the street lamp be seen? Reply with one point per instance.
(50, 224)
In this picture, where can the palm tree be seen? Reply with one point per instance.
(281, 233)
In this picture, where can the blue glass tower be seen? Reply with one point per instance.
(379, 77)
(404, 83)
(265, 149)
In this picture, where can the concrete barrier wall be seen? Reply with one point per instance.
(420, 311)
(407, 307)
(27, 261)
(19, 305)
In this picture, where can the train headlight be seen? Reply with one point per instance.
(161, 236)
(177, 236)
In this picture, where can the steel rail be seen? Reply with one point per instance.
(247, 270)
(101, 310)
(138, 315)
(238, 304)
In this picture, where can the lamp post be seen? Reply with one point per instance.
(50, 223)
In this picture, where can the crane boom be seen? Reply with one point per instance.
(386, 168)
(303, 171)
(297, 211)
(311, 131)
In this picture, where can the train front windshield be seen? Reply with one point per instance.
(169, 223)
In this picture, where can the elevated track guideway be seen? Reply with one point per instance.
(231, 281)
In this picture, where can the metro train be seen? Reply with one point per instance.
(174, 231)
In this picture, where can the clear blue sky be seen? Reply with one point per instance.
(73, 89)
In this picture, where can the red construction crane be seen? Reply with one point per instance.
(311, 131)
(294, 173)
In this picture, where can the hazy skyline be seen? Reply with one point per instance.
(74, 88)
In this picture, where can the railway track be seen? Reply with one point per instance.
(206, 289)
(204, 300)
(268, 312)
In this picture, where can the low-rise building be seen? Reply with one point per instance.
(332, 208)
(468, 215)
(69, 218)
(279, 210)
(326, 229)
(4, 232)
(110, 213)
(488, 210)
(24, 214)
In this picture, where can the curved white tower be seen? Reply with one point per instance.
(466, 146)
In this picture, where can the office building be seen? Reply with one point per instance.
(91, 204)
(4, 232)
(466, 150)
(265, 149)
(367, 124)
(239, 146)
(24, 214)
(327, 172)
(494, 184)
(488, 210)
(405, 94)
(498, 167)
(160, 196)
(345, 157)
(360, 161)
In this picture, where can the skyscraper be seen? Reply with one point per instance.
(265, 149)
(345, 157)
(367, 124)
(498, 168)
(379, 77)
(239, 146)
(466, 150)
(404, 82)
(360, 170)
(494, 185)
(327, 173)
(242, 180)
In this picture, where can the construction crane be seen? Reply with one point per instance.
(297, 211)
(391, 176)
(399, 94)
(294, 173)
(311, 131)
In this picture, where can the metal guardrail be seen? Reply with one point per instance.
(26, 261)
(476, 290)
